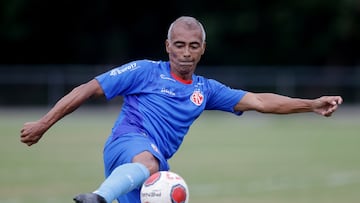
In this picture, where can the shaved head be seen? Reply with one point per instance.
(190, 23)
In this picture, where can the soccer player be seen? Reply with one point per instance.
(161, 101)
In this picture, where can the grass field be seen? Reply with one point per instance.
(254, 158)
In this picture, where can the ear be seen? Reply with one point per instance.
(204, 47)
(167, 45)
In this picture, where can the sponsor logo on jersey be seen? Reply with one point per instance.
(197, 98)
(167, 91)
(162, 76)
(122, 69)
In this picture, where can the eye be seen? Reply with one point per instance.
(179, 44)
(194, 46)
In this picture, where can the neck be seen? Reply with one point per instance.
(184, 80)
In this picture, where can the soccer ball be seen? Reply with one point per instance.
(164, 187)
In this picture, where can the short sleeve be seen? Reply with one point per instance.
(222, 97)
(124, 79)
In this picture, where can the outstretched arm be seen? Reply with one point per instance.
(32, 132)
(278, 104)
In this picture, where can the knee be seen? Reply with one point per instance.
(149, 161)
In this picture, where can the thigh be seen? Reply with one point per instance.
(125, 150)
(148, 159)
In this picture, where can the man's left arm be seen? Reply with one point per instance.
(279, 104)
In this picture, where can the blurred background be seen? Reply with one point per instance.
(302, 48)
(305, 48)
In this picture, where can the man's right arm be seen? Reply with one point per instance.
(32, 132)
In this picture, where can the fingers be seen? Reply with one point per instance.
(330, 111)
(332, 100)
(332, 105)
(24, 132)
(339, 100)
(327, 105)
(28, 136)
(28, 140)
(335, 100)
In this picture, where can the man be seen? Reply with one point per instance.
(161, 101)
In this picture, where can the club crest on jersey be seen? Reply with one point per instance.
(197, 98)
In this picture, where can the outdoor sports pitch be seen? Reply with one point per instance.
(254, 158)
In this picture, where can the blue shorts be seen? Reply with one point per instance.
(122, 150)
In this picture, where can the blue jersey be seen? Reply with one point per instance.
(158, 105)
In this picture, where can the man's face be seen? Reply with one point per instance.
(185, 48)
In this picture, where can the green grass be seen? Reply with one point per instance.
(254, 158)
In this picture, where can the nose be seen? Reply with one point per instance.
(187, 51)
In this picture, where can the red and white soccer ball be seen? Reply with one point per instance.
(164, 187)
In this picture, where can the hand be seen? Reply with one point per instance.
(32, 132)
(327, 105)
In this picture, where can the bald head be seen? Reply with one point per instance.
(190, 23)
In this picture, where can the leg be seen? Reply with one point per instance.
(122, 180)
(128, 177)
(129, 160)
(152, 164)
(148, 160)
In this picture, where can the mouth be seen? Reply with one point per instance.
(186, 63)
